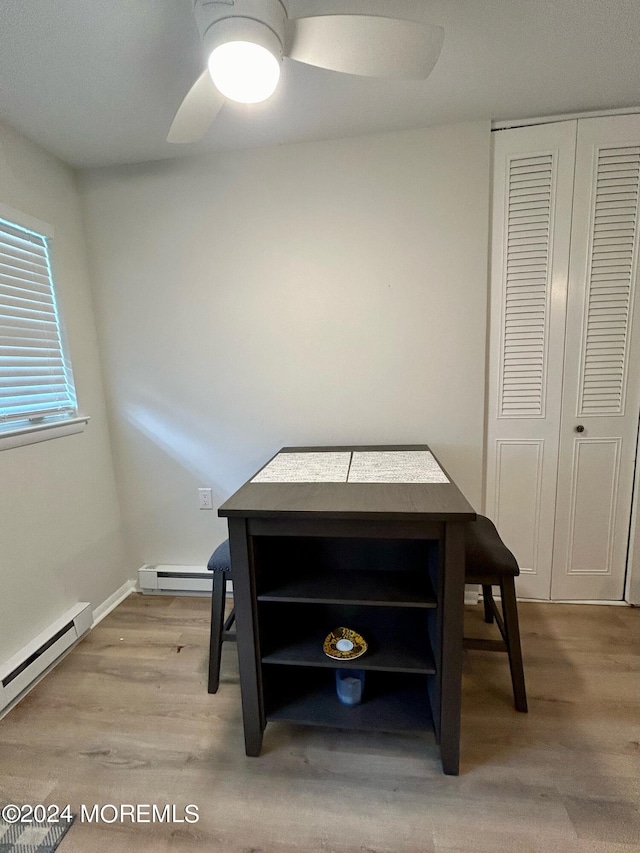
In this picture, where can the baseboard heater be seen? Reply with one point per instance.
(38, 656)
(181, 580)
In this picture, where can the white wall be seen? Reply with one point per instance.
(322, 293)
(60, 527)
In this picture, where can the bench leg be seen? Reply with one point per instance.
(512, 631)
(487, 598)
(217, 624)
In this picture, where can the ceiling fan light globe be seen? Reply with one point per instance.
(244, 71)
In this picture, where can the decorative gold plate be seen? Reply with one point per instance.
(344, 644)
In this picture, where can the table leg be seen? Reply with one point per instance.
(247, 636)
(452, 629)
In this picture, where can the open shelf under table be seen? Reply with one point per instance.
(396, 655)
(391, 703)
(380, 588)
(398, 638)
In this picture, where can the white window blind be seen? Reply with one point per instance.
(36, 382)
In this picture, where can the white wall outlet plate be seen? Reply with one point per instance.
(205, 500)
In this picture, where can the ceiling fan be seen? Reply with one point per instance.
(245, 41)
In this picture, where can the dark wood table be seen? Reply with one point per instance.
(384, 558)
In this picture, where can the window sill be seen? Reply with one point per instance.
(41, 432)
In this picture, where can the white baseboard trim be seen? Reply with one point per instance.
(113, 601)
(576, 601)
(471, 594)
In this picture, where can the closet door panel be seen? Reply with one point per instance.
(601, 399)
(533, 186)
(518, 500)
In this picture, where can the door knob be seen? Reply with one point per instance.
(579, 428)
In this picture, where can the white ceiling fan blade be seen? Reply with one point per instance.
(197, 112)
(366, 45)
(408, 10)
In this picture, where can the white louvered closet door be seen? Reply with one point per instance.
(532, 202)
(601, 400)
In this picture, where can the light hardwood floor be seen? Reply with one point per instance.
(126, 718)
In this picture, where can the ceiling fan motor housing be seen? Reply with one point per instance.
(258, 21)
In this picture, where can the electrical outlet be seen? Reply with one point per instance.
(205, 501)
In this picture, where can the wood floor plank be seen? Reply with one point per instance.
(126, 718)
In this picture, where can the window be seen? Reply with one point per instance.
(37, 394)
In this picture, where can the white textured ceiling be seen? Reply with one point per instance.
(97, 82)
